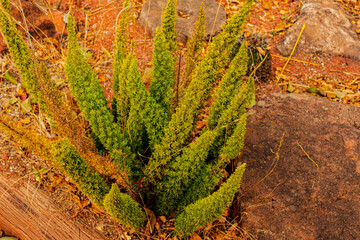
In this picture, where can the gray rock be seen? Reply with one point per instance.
(311, 191)
(187, 15)
(328, 30)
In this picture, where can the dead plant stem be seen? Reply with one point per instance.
(290, 54)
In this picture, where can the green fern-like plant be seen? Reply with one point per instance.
(154, 143)
(197, 214)
(194, 47)
(124, 209)
(89, 182)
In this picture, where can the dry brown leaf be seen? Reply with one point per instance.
(267, 4)
(232, 232)
(80, 203)
(195, 236)
(21, 92)
(219, 236)
(100, 227)
(76, 213)
(281, 26)
(25, 121)
(102, 79)
(356, 95)
(261, 51)
(162, 235)
(222, 219)
(162, 218)
(200, 124)
(247, 34)
(150, 226)
(96, 209)
(183, 15)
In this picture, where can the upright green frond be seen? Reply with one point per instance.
(203, 80)
(244, 94)
(210, 208)
(182, 171)
(124, 209)
(238, 104)
(168, 23)
(233, 145)
(121, 42)
(163, 72)
(194, 47)
(202, 185)
(228, 85)
(121, 98)
(153, 115)
(68, 160)
(77, 69)
(20, 53)
(135, 130)
(209, 176)
(213, 63)
(90, 96)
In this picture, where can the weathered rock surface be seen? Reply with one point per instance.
(187, 15)
(328, 30)
(312, 190)
(38, 23)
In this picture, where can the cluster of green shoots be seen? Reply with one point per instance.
(160, 163)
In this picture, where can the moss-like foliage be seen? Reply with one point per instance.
(182, 171)
(121, 101)
(121, 104)
(68, 160)
(234, 144)
(210, 208)
(20, 53)
(87, 90)
(124, 209)
(168, 24)
(194, 47)
(26, 137)
(237, 107)
(153, 115)
(228, 85)
(135, 131)
(203, 184)
(161, 86)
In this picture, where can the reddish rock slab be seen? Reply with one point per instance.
(328, 30)
(187, 15)
(303, 169)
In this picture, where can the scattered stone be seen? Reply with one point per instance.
(328, 30)
(305, 185)
(187, 15)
